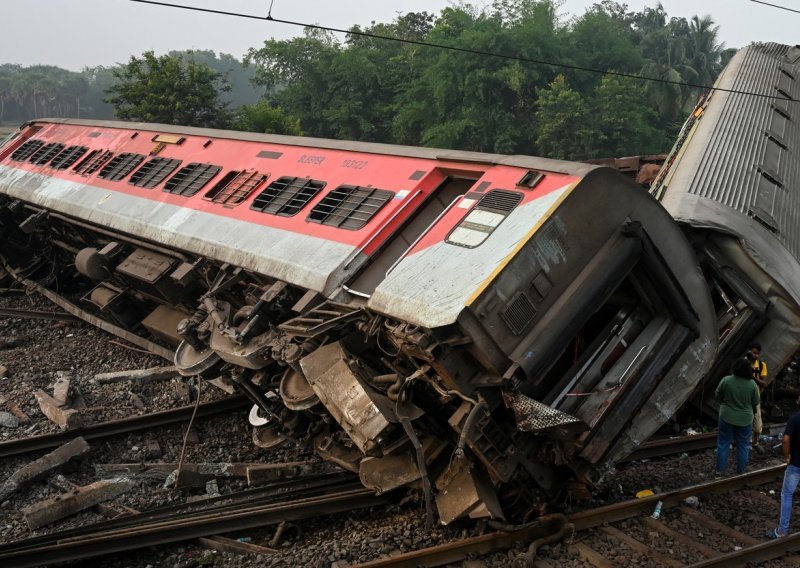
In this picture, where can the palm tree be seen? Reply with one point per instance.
(703, 51)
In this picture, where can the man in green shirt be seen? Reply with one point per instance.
(738, 398)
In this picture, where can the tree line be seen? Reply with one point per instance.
(366, 88)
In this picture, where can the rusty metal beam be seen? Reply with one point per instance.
(36, 314)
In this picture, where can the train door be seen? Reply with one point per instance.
(448, 192)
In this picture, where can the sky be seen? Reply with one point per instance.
(78, 33)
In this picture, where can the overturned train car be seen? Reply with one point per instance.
(732, 182)
(482, 327)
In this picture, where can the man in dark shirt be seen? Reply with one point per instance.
(791, 454)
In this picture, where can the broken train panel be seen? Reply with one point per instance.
(482, 327)
(731, 181)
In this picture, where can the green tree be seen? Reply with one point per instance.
(168, 90)
(565, 125)
(265, 118)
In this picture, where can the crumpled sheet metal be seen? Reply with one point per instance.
(533, 416)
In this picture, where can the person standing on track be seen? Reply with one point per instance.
(738, 397)
(760, 377)
(791, 477)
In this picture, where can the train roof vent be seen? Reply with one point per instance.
(93, 162)
(191, 179)
(286, 196)
(46, 153)
(531, 179)
(26, 150)
(68, 156)
(349, 206)
(235, 187)
(120, 166)
(519, 313)
(481, 221)
(153, 172)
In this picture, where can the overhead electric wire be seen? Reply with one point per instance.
(776, 6)
(270, 18)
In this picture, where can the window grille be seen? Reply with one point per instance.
(153, 172)
(93, 162)
(46, 153)
(26, 150)
(349, 206)
(235, 186)
(120, 166)
(286, 196)
(191, 179)
(68, 156)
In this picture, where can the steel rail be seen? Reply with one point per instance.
(121, 426)
(36, 314)
(688, 443)
(207, 525)
(284, 490)
(493, 542)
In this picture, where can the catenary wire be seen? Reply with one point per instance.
(776, 6)
(360, 33)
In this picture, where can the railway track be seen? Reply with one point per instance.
(584, 533)
(121, 426)
(289, 501)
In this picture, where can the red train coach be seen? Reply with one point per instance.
(485, 327)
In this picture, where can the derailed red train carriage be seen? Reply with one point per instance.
(484, 327)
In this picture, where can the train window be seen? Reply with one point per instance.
(46, 153)
(235, 186)
(286, 196)
(68, 156)
(349, 206)
(26, 150)
(484, 218)
(153, 172)
(93, 162)
(191, 179)
(120, 166)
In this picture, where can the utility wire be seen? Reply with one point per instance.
(776, 6)
(269, 18)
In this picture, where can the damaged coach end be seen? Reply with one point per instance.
(592, 330)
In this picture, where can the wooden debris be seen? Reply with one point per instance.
(3, 371)
(66, 418)
(15, 409)
(153, 450)
(223, 383)
(224, 544)
(44, 465)
(136, 401)
(142, 375)
(108, 510)
(51, 510)
(61, 389)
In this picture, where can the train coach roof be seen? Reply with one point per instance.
(530, 162)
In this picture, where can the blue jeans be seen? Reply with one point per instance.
(725, 434)
(790, 480)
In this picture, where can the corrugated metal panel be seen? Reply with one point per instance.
(743, 153)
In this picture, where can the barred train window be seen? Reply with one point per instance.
(286, 196)
(235, 186)
(46, 153)
(67, 157)
(484, 218)
(26, 150)
(120, 166)
(349, 206)
(154, 172)
(191, 179)
(93, 162)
